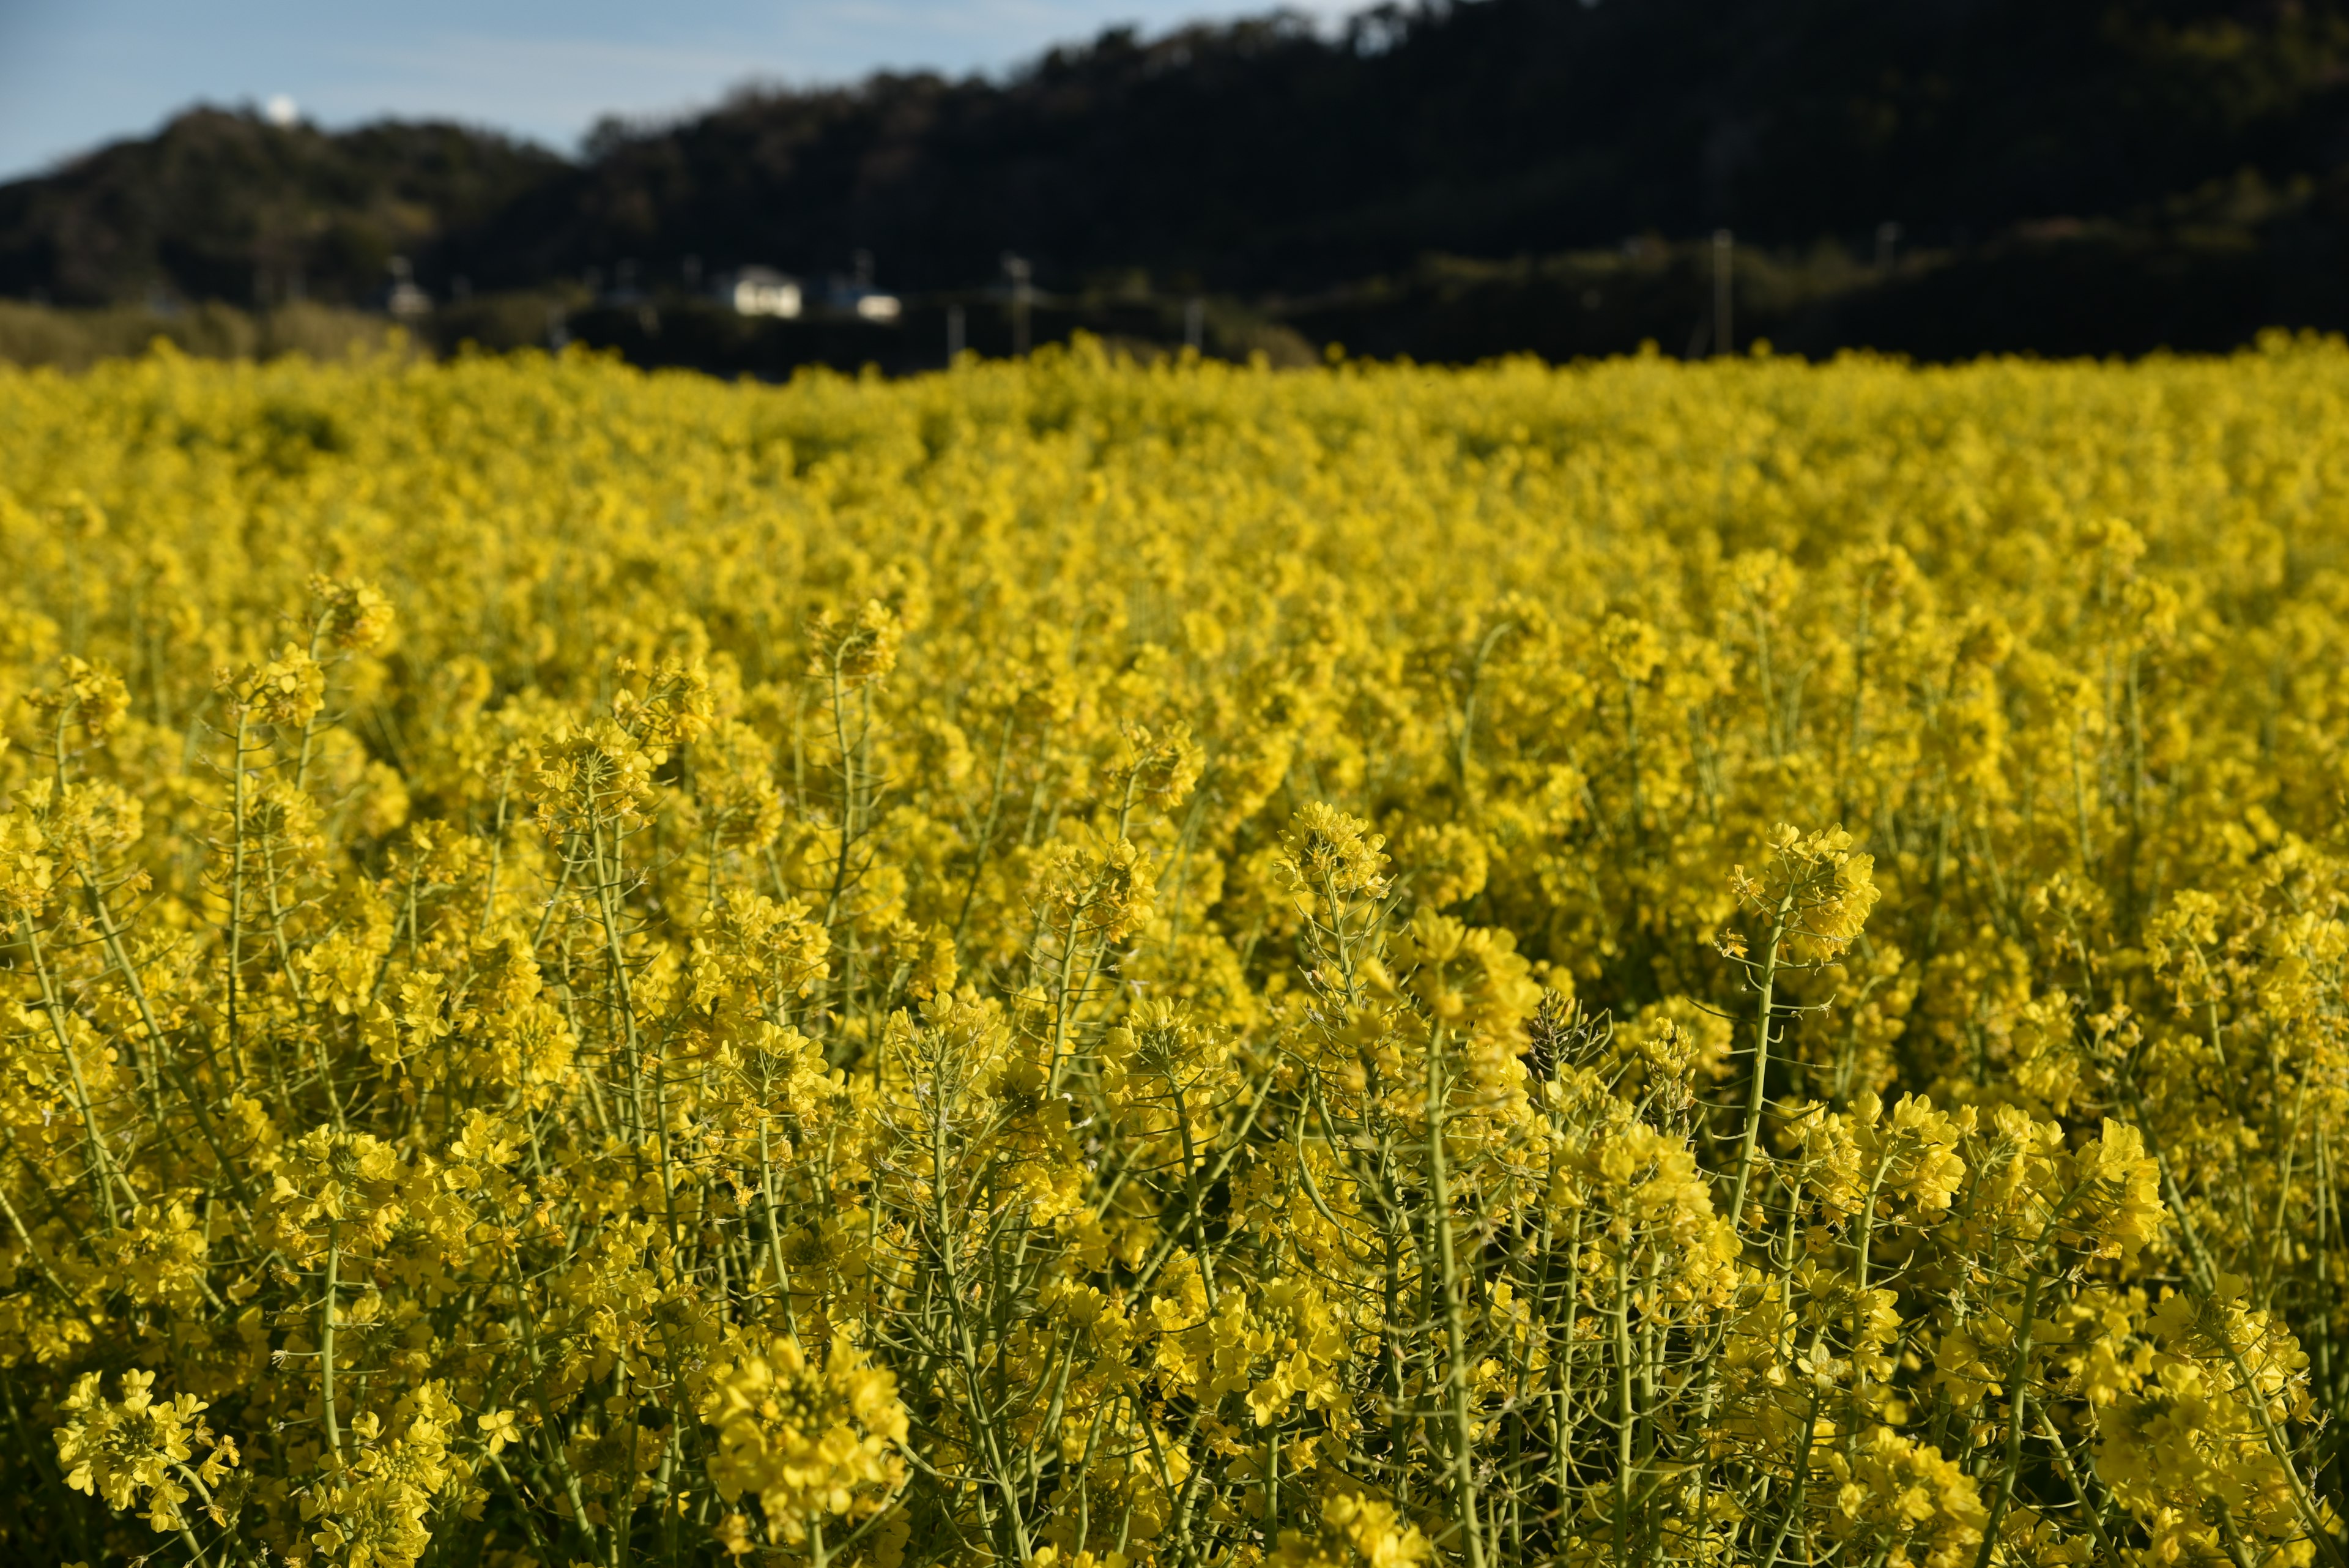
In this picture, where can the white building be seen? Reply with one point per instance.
(856, 295)
(759, 291)
(400, 296)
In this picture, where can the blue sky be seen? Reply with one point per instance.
(76, 73)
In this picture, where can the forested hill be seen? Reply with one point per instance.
(221, 206)
(1264, 155)
(1269, 156)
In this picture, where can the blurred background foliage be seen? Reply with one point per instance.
(1446, 182)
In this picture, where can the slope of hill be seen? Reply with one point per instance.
(221, 206)
(1263, 155)
(1271, 161)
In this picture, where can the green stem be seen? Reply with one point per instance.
(1767, 988)
(1439, 1192)
(2015, 1402)
(326, 1343)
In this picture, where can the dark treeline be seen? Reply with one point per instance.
(223, 206)
(2177, 169)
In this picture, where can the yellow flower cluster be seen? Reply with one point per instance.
(135, 1449)
(1737, 965)
(811, 1443)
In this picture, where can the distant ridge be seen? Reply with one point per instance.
(223, 205)
(1271, 159)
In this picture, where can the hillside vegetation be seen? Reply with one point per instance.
(2066, 176)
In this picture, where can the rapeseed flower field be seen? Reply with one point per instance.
(1065, 963)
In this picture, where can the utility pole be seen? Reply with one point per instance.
(1017, 269)
(954, 333)
(1194, 324)
(1725, 331)
(1888, 236)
